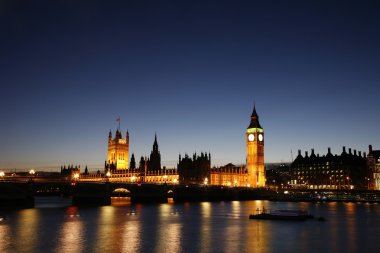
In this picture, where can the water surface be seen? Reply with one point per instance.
(54, 226)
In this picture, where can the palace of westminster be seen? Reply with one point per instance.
(347, 171)
(190, 170)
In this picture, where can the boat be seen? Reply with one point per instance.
(295, 215)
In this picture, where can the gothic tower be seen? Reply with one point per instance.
(118, 151)
(155, 157)
(255, 152)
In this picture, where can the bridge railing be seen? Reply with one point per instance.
(158, 177)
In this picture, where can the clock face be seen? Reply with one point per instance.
(261, 137)
(251, 137)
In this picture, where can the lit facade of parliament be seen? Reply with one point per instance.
(195, 169)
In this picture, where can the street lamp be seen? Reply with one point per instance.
(133, 179)
(76, 176)
(205, 182)
(367, 178)
(368, 183)
(31, 173)
(108, 174)
(2, 174)
(165, 178)
(175, 180)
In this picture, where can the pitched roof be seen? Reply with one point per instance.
(254, 119)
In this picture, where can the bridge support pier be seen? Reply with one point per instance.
(16, 195)
(91, 194)
(149, 194)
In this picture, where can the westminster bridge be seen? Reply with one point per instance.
(20, 191)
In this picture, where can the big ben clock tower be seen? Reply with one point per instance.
(255, 152)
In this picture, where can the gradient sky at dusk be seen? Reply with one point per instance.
(190, 71)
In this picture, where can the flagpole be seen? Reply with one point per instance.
(118, 120)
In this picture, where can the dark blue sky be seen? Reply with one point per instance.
(189, 71)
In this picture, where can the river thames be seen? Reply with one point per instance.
(54, 226)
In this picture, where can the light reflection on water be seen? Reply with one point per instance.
(190, 227)
(205, 228)
(168, 235)
(131, 238)
(5, 237)
(28, 231)
(108, 228)
(71, 235)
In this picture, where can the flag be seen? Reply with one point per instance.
(118, 119)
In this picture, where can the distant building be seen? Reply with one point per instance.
(70, 170)
(195, 170)
(118, 152)
(346, 171)
(373, 161)
(230, 175)
(278, 174)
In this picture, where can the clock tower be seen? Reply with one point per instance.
(255, 152)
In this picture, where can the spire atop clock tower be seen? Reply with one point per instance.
(254, 119)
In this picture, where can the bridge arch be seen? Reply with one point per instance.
(121, 192)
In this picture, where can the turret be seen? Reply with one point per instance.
(132, 164)
(110, 136)
(312, 153)
(329, 155)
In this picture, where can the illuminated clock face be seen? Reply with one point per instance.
(251, 137)
(261, 137)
